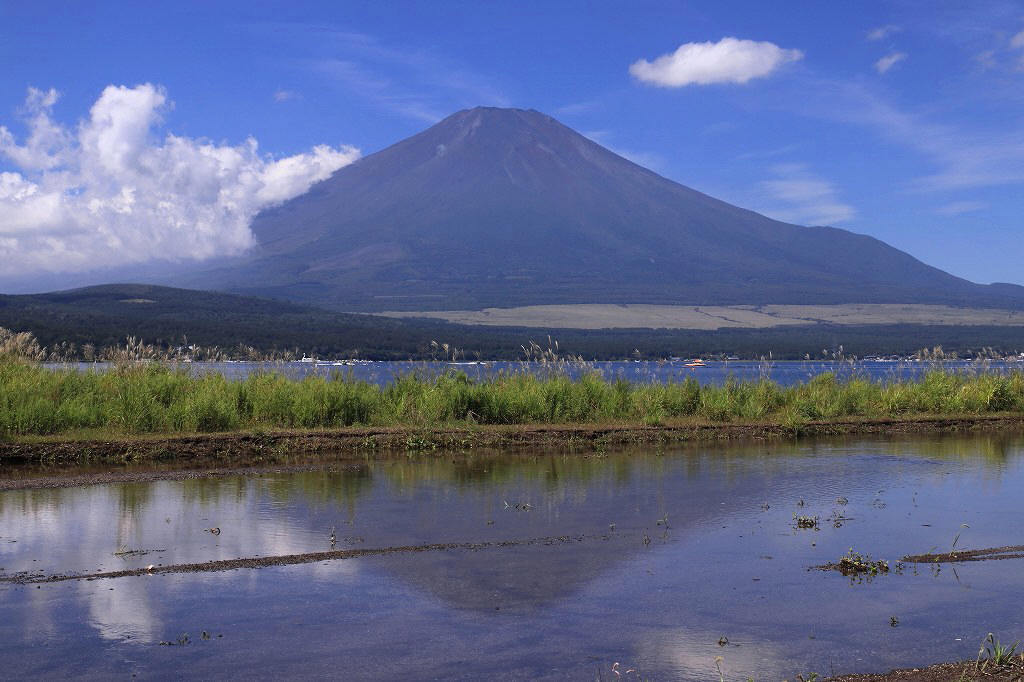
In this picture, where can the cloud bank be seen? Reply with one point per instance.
(108, 192)
(730, 60)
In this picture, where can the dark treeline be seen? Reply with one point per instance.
(168, 318)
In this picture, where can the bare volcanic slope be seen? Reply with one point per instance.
(506, 207)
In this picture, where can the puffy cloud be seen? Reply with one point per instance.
(108, 192)
(730, 60)
(46, 139)
(889, 61)
(883, 32)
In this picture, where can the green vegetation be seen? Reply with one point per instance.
(993, 652)
(152, 397)
(855, 563)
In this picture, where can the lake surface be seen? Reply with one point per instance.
(645, 557)
(786, 373)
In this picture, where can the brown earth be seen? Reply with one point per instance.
(240, 449)
(968, 671)
(26, 578)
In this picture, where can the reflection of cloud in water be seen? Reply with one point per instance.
(691, 654)
(79, 530)
(122, 612)
(41, 606)
(711, 494)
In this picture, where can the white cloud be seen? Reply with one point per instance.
(889, 61)
(883, 32)
(40, 150)
(798, 196)
(108, 192)
(730, 60)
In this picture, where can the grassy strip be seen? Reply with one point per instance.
(154, 398)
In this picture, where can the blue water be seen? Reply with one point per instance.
(664, 553)
(785, 372)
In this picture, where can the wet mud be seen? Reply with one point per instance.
(965, 671)
(27, 578)
(957, 556)
(280, 446)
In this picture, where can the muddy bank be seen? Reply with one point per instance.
(280, 447)
(968, 671)
(854, 564)
(283, 560)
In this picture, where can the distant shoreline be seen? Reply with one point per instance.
(247, 448)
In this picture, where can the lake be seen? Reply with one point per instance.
(658, 560)
(785, 373)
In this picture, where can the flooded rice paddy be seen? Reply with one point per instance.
(523, 565)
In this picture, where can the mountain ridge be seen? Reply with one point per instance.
(505, 207)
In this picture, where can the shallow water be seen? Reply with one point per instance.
(658, 555)
(785, 373)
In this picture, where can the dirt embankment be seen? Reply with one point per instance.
(280, 447)
(967, 671)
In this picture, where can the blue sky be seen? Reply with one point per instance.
(160, 129)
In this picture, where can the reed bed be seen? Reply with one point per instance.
(141, 398)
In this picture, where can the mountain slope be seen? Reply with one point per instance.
(106, 315)
(503, 207)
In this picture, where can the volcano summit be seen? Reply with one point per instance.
(508, 207)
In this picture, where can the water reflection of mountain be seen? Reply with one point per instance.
(431, 498)
(695, 488)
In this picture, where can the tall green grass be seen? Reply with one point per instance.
(155, 398)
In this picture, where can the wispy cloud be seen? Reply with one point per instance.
(889, 61)
(575, 108)
(883, 32)
(960, 207)
(1017, 43)
(282, 95)
(964, 157)
(413, 82)
(379, 89)
(767, 153)
(797, 195)
(719, 128)
(107, 192)
(649, 160)
(730, 60)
